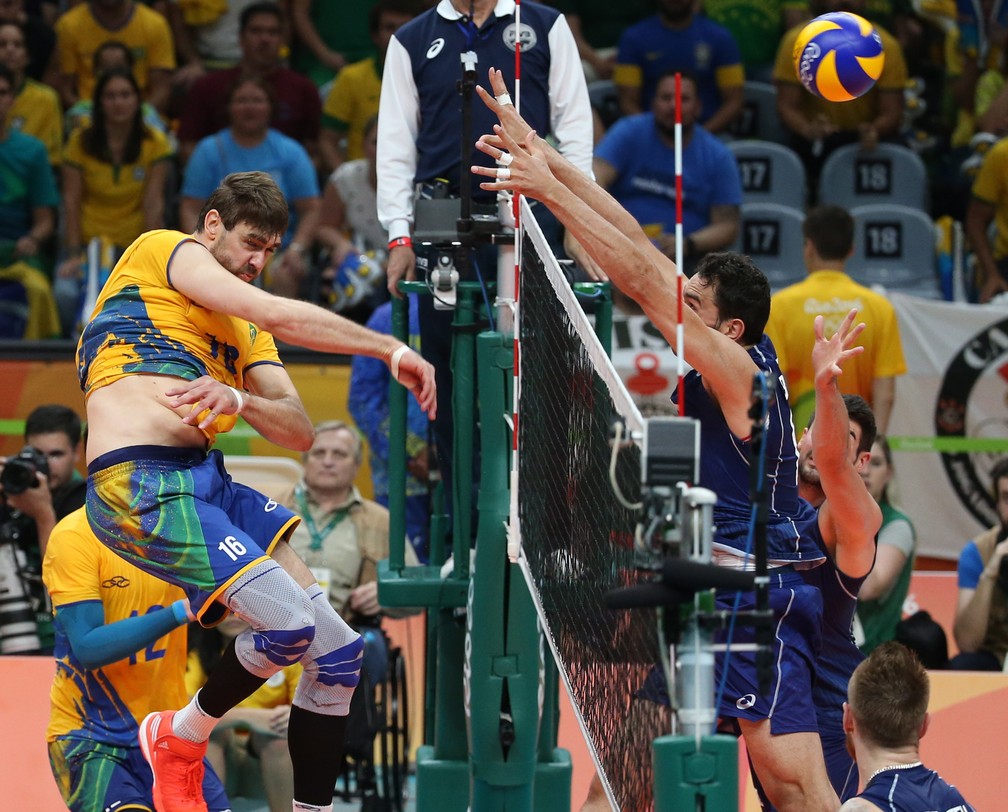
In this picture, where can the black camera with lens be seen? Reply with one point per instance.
(21, 471)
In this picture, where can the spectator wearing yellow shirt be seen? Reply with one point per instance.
(36, 109)
(352, 100)
(114, 174)
(83, 28)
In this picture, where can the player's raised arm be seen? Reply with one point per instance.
(615, 241)
(196, 274)
(850, 517)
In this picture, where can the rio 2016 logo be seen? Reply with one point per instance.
(809, 56)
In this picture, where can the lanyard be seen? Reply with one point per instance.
(472, 34)
(318, 536)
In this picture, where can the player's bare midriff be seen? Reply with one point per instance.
(135, 411)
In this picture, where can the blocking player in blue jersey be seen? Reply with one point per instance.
(832, 452)
(885, 717)
(728, 301)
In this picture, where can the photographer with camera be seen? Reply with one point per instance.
(38, 487)
(981, 618)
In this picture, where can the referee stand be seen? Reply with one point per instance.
(491, 713)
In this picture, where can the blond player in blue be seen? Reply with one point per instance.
(120, 654)
(179, 344)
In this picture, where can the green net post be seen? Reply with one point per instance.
(397, 446)
(688, 777)
(444, 767)
(506, 657)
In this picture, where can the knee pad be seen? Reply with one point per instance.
(331, 666)
(281, 614)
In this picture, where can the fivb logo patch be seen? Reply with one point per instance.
(965, 409)
(528, 37)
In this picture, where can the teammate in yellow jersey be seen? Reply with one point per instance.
(120, 654)
(179, 344)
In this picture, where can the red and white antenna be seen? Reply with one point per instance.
(513, 542)
(680, 276)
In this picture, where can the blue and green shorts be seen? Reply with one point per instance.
(177, 514)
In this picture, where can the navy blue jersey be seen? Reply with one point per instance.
(725, 469)
(913, 789)
(420, 125)
(836, 662)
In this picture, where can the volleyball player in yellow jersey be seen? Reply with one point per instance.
(178, 345)
(120, 653)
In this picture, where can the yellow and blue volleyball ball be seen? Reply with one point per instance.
(838, 56)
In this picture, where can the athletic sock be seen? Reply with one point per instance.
(192, 723)
(316, 744)
(228, 685)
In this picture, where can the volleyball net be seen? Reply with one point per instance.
(578, 480)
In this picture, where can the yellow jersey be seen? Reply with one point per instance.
(113, 195)
(142, 325)
(37, 111)
(146, 33)
(106, 704)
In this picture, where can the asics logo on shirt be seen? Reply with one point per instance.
(745, 702)
(119, 582)
(435, 47)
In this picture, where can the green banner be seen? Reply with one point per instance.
(949, 445)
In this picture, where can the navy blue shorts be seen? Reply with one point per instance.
(797, 637)
(840, 766)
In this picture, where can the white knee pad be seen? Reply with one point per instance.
(281, 614)
(332, 664)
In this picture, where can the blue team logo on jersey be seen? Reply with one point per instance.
(528, 37)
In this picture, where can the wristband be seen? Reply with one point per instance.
(398, 241)
(179, 611)
(238, 397)
(396, 357)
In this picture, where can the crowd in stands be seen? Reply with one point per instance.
(141, 106)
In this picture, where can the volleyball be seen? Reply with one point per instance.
(838, 56)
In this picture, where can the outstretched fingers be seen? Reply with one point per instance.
(497, 82)
(847, 333)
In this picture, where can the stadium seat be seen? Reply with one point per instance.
(890, 173)
(273, 476)
(772, 235)
(759, 118)
(894, 247)
(604, 98)
(771, 173)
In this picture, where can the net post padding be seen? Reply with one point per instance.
(576, 538)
